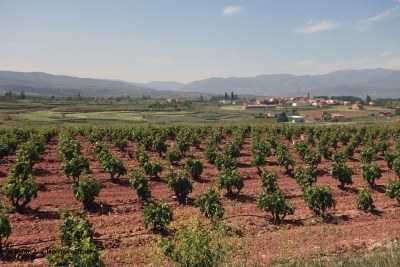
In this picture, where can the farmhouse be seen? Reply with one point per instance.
(299, 104)
(357, 106)
(384, 114)
(337, 116)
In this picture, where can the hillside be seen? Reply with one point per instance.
(61, 85)
(375, 82)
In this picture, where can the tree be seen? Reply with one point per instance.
(201, 98)
(226, 96)
(232, 97)
(22, 95)
(368, 99)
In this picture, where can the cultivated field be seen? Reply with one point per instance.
(117, 213)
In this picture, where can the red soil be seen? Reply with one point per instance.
(119, 227)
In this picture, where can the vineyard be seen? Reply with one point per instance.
(112, 193)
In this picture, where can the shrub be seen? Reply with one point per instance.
(396, 166)
(194, 166)
(368, 154)
(76, 243)
(370, 173)
(180, 183)
(140, 184)
(20, 190)
(209, 204)
(258, 160)
(211, 153)
(174, 156)
(197, 245)
(283, 158)
(269, 181)
(159, 145)
(305, 177)
(157, 216)
(225, 162)
(365, 201)
(276, 204)
(313, 159)
(390, 158)
(141, 156)
(340, 172)
(231, 179)
(74, 167)
(85, 191)
(5, 229)
(120, 143)
(68, 148)
(318, 199)
(393, 189)
(113, 166)
(152, 168)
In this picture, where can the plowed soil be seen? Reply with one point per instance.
(118, 223)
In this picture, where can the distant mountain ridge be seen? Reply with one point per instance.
(374, 82)
(62, 85)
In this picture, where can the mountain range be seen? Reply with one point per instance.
(374, 82)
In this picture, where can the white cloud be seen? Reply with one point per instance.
(232, 10)
(311, 27)
(356, 63)
(389, 13)
(385, 54)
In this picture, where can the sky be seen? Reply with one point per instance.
(187, 40)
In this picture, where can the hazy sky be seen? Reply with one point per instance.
(147, 40)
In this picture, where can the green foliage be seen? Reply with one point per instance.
(120, 143)
(312, 159)
(276, 204)
(396, 166)
(230, 180)
(365, 201)
(367, 154)
(141, 156)
(174, 156)
(68, 148)
(225, 162)
(194, 167)
(284, 158)
(85, 191)
(140, 184)
(76, 243)
(258, 159)
(113, 166)
(180, 183)
(74, 167)
(20, 190)
(159, 145)
(197, 245)
(393, 189)
(152, 168)
(5, 227)
(269, 181)
(370, 173)
(305, 177)
(210, 205)
(211, 153)
(342, 173)
(157, 216)
(390, 158)
(318, 199)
